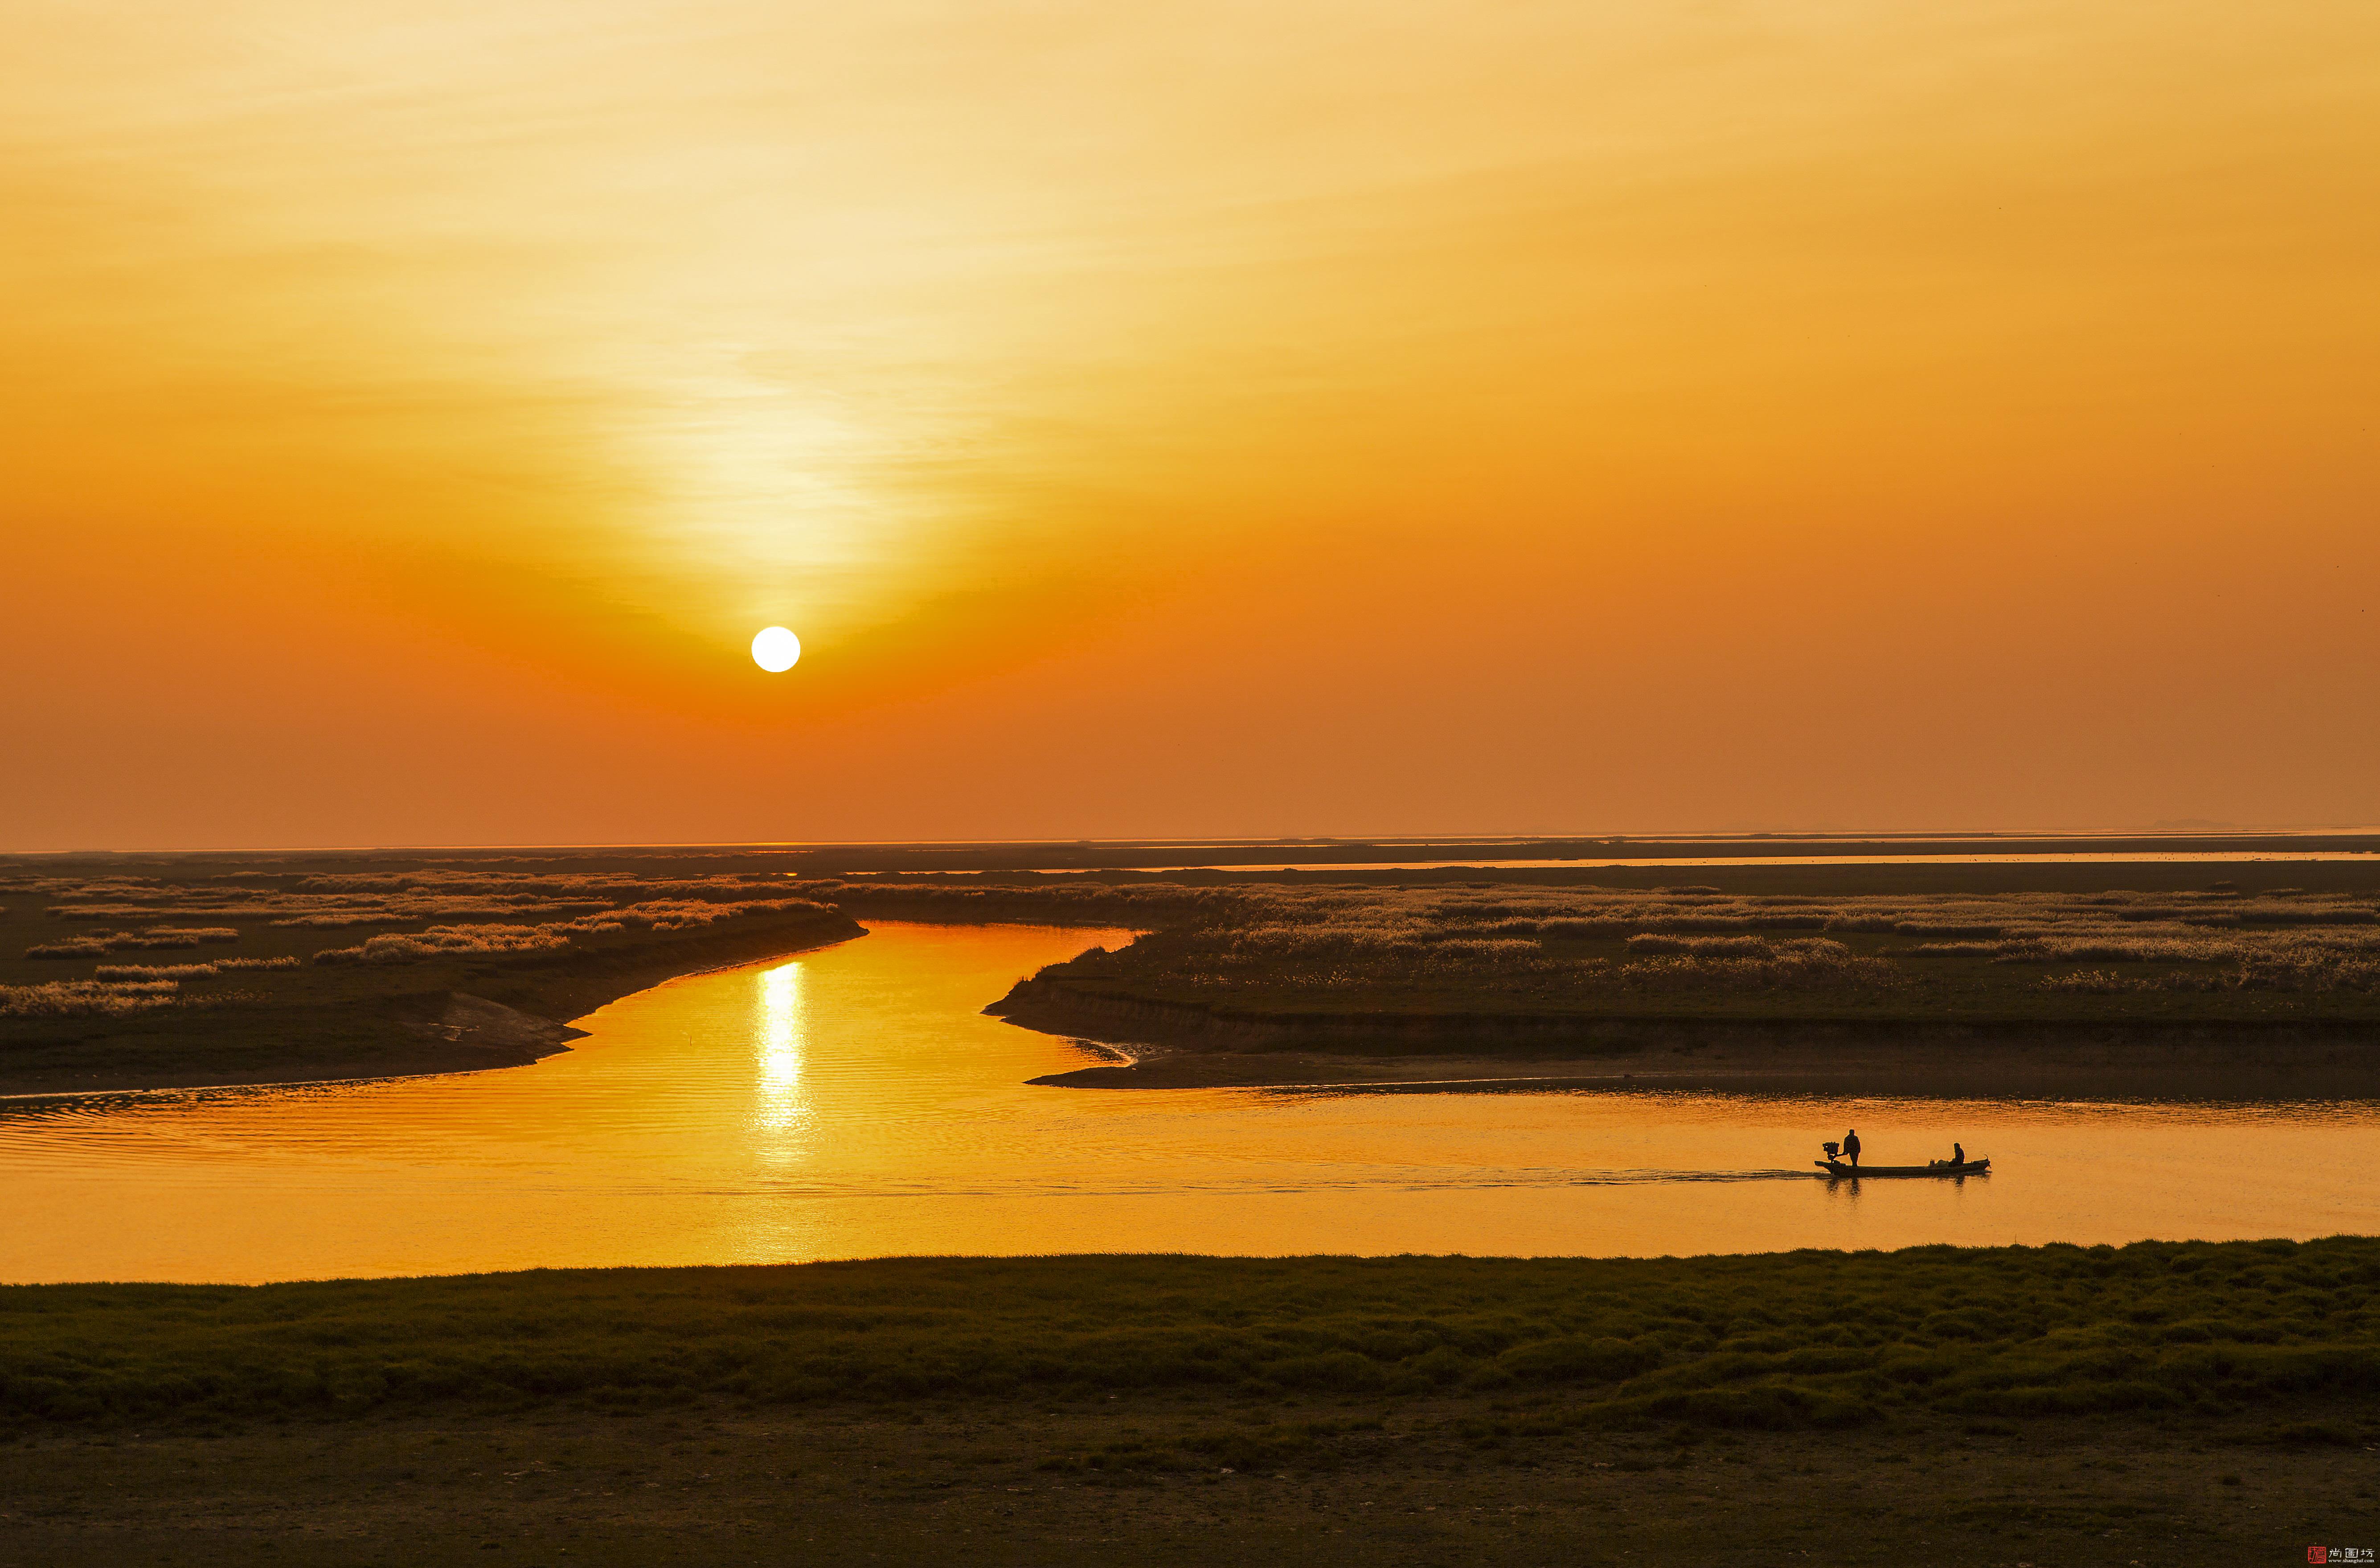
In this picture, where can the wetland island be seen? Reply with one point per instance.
(1363, 1410)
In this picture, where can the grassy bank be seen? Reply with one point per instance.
(1774, 1342)
(2190, 1406)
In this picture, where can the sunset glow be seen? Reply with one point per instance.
(1191, 420)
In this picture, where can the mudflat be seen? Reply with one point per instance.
(1970, 1065)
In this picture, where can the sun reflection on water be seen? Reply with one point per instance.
(781, 1039)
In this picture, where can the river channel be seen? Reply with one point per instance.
(856, 1102)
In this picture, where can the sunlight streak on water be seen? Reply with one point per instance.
(780, 1037)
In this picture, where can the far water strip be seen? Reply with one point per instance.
(855, 1102)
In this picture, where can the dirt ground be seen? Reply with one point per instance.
(1427, 1484)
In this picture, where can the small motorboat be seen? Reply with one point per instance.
(1834, 1168)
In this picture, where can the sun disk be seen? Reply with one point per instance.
(776, 650)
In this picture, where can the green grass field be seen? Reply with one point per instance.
(1806, 1338)
(2190, 1405)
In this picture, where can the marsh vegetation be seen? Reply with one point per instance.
(2215, 955)
(111, 972)
(2181, 1403)
(300, 967)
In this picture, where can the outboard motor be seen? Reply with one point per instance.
(1832, 1149)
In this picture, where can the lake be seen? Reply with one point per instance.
(856, 1102)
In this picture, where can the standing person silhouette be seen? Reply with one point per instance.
(1850, 1148)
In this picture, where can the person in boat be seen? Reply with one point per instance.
(1850, 1147)
(1958, 1154)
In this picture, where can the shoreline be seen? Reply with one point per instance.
(2012, 1077)
(1169, 1046)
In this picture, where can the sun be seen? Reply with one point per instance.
(776, 650)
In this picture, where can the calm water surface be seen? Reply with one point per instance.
(855, 1103)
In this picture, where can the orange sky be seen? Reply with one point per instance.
(1200, 419)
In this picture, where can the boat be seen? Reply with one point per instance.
(1834, 1168)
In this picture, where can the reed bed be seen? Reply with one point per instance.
(1596, 940)
(493, 939)
(94, 944)
(399, 897)
(420, 915)
(189, 971)
(86, 999)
